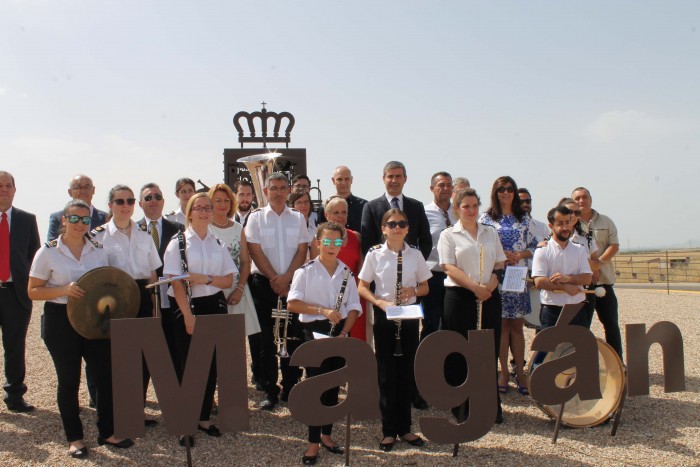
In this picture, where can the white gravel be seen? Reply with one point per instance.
(661, 429)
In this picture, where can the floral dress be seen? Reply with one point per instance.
(515, 235)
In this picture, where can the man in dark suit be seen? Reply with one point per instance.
(342, 180)
(418, 228)
(162, 231)
(19, 240)
(80, 187)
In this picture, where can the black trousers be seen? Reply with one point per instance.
(549, 314)
(167, 321)
(606, 308)
(460, 316)
(209, 305)
(396, 378)
(265, 301)
(330, 397)
(14, 321)
(433, 304)
(67, 349)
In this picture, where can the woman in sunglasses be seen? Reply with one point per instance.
(130, 248)
(56, 267)
(324, 293)
(396, 378)
(184, 190)
(460, 251)
(211, 270)
(506, 215)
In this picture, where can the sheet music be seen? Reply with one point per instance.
(318, 335)
(404, 312)
(514, 280)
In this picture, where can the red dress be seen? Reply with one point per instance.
(351, 255)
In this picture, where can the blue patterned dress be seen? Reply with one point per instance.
(515, 235)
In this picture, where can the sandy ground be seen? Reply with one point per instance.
(660, 429)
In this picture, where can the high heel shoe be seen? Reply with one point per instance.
(80, 453)
(521, 389)
(123, 444)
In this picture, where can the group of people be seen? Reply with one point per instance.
(336, 269)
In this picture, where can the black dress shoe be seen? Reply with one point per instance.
(417, 441)
(420, 404)
(19, 406)
(149, 423)
(386, 447)
(268, 404)
(123, 444)
(212, 430)
(80, 453)
(182, 441)
(309, 460)
(333, 449)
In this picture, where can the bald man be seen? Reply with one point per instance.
(342, 180)
(80, 187)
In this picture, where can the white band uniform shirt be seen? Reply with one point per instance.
(137, 256)
(313, 285)
(551, 259)
(583, 241)
(380, 267)
(208, 256)
(457, 247)
(278, 235)
(55, 264)
(176, 216)
(436, 221)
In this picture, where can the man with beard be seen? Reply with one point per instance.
(244, 198)
(561, 270)
(539, 229)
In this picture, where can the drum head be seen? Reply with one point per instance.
(532, 319)
(110, 293)
(578, 413)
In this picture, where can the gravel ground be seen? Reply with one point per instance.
(660, 429)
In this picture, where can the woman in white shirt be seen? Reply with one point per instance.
(56, 268)
(211, 270)
(314, 294)
(459, 250)
(396, 378)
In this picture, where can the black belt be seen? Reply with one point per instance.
(7, 285)
(323, 326)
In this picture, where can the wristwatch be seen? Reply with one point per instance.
(210, 279)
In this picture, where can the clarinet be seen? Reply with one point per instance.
(398, 351)
(339, 300)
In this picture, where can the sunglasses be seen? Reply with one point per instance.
(73, 219)
(525, 201)
(150, 197)
(121, 202)
(336, 242)
(394, 224)
(503, 189)
(576, 211)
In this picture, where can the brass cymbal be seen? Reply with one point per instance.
(110, 293)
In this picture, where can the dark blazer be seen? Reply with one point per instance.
(355, 207)
(418, 227)
(24, 242)
(170, 229)
(97, 219)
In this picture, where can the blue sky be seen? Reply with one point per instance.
(555, 94)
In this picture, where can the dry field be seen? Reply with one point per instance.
(661, 429)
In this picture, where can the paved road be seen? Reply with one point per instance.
(673, 286)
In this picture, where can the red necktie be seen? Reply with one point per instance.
(4, 248)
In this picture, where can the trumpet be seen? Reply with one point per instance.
(398, 350)
(281, 336)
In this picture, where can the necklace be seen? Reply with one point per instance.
(224, 225)
(124, 229)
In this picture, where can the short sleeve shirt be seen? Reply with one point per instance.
(605, 234)
(551, 259)
(459, 248)
(313, 285)
(437, 222)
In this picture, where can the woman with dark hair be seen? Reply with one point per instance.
(460, 251)
(56, 267)
(301, 201)
(316, 290)
(211, 270)
(184, 190)
(396, 379)
(506, 215)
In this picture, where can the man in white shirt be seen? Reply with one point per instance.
(278, 242)
(561, 270)
(440, 215)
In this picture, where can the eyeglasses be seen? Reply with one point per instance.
(121, 201)
(81, 187)
(336, 242)
(503, 189)
(278, 188)
(201, 208)
(525, 201)
(150, 197)
(394, 224)
(73, 219)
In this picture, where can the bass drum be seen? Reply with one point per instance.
(532, 319)
(584, 414)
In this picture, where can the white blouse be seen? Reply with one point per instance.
(137, 256)
(457, 247)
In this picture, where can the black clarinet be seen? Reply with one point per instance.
(339, 300)
(398, 351)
